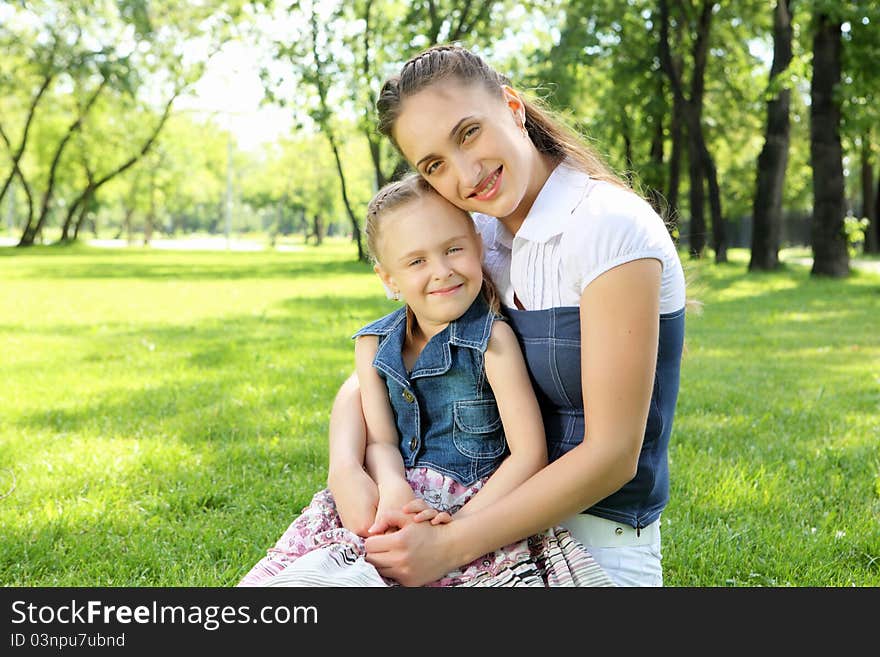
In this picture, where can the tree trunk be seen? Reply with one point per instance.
(655, 155)
(74, 127)
(150, 219)
(697, 227)
(830, 252)
(672, 214)
(719, 228)
(873, 237)
(701, 164)
(869, 202)
(773, 160)
(129, 228)
(627, 145)
(93, 185)
(30, 208)
(17, 153)
(16, 170)
(82, 216)
(87, 196)
(324, 121)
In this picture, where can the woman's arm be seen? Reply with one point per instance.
(619, 334)
(382, 458)
(520, 414)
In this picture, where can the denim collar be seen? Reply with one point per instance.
(470, 331)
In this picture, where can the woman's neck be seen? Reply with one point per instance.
(544, 166)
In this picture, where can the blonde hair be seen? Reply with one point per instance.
(397, 194)
(549, 133)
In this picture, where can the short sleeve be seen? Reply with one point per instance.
(611, 227)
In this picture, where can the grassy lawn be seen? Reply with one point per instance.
(163, 416)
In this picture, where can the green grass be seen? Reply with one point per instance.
(163, 416)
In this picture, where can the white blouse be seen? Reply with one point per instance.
(578, 228)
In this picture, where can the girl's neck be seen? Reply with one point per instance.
(418, 335)
(544, 164)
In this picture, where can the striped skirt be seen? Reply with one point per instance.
(316, 550)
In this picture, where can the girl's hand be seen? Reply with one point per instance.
(393, 495)
(422, 512)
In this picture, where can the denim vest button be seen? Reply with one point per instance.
(413, 443)
(408, 396)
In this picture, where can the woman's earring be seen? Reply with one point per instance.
(396, 295)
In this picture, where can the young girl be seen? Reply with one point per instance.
(451, 418)
(595, 292)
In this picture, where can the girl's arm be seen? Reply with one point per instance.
(619, 334)
(382, 458)
(354, 492)
(520, 414)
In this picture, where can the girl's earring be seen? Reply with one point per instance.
(396, 295)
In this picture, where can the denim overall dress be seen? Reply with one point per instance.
(551, 342)
(444, 409)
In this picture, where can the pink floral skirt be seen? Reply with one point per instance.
(316, 550)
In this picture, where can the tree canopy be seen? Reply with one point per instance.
(723, 115)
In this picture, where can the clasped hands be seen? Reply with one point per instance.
(391, 519)
(366, 512)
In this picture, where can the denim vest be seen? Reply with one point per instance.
(445, 412)
(551, 343)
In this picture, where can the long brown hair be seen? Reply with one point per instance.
(549, 133)
(396, 194)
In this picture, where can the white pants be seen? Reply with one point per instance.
(629, 558)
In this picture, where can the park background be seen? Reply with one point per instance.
(183, 186)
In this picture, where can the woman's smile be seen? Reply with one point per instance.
(488, 187)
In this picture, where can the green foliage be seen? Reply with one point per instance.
(854, 228)
(595, 63)
(92, 80)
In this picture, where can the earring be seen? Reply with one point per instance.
(396, 295)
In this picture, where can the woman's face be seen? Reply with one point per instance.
(469, 144)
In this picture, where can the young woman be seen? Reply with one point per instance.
(596, 295)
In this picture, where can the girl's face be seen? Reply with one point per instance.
(469, 144)
(429, 252)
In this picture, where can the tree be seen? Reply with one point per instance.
(773, 160)
(860, 110)
(129, 53)
(830, 249)
(342, 52)
(702, 166)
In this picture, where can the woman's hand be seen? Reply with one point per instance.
(417, 553)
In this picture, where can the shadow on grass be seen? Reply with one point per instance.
(194, 266)
(234, 378)
(234, 442)
(162, 521)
